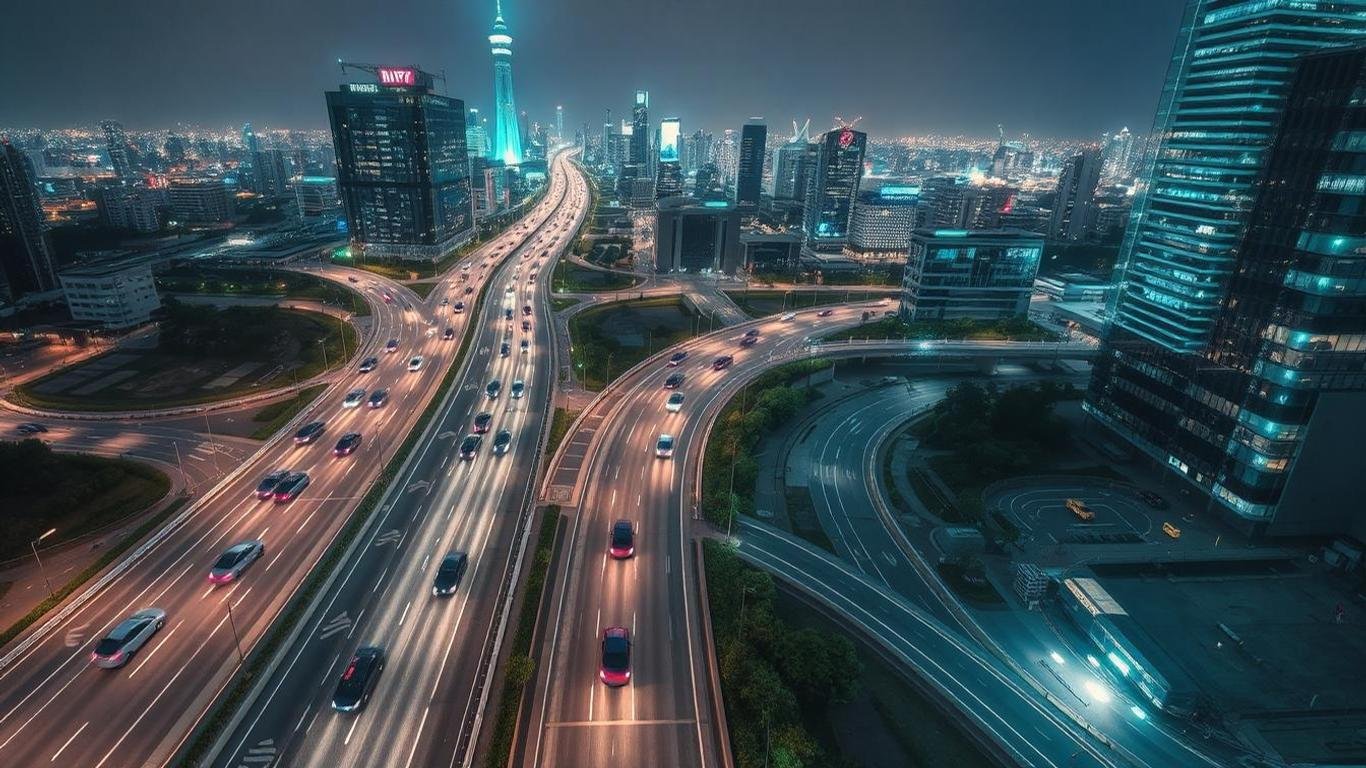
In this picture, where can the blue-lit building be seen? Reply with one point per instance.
(749, 174)
(830, 193)
(955, 274)
(507, 132)
(1209, 365)
(880, 227)
(402, 169)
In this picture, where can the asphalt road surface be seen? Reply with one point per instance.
(426, 700)
(56, 708)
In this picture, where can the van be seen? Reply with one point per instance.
(1171, 530)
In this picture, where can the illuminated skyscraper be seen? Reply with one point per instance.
(640, 129)
(1072, 211)
(25, 253)
(1226, 90)
(669, 180)
(833, 185)
(559, 123)
(476, 135)
(507, 135)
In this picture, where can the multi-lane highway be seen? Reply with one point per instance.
(56, 708)
(665, 711)
(426, 702)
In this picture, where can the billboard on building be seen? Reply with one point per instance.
(669, 134)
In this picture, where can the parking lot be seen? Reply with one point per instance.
(1038, 507)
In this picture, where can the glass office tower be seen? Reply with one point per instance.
(402, 169)
(833, 185)
(1226, 91)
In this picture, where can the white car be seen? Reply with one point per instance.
(675, 403)
(664, 447)
(125, 639)
(415, 363)
(354, 398)
(518, 387)
(789, 316)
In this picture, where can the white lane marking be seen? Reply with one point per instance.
(59, 752)
(350, 731)
(404, 617)
(166, 638)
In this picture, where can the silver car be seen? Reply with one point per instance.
(234, 560)
(125, 639)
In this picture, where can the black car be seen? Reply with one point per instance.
(677, 358)
(290, 488)
(722, 363)
(309, 432)
(501, 442)
(493, 389)
(31, 428)
(358, 680)
(526, 326)
(482, 420)
(449, 333)
(526, 309)
(749, 341)
(459, 307)
(674, 382)
(391, 346)
(369, 364)
(507, 313)
(449, 573)
(1152, 499)
(266, 488)
(752, 332)
(347, 445)
(505, 350)
(469, 447)
(378, 398)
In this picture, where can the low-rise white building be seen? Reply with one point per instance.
(113, 294)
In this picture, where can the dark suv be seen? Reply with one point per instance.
(449, 573)
(358, 680)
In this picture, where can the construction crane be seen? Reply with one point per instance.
(842, 123)
(374, 69)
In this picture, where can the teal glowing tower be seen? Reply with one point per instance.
(507, 139)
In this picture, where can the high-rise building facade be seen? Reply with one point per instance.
(698, 151)
(270, 169)
(25, 253)
(669, 179)
(1073, 211)
(559, 122)
(1226, 89)
(697, 237)
(402, 169)
(128, 206)
(1117, 156)
(832, 188)
(791, 164)
(507, 132)
(954, 274)
(116, 144)
(640, 130)
(880, 227)
(749, 175)
(476, 135)
(199, 201)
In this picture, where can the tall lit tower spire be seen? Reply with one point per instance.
(507, 138)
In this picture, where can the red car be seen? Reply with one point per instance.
(622, 543)
(616, 656)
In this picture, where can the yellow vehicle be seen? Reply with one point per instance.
(1171, 530)
(1079, 508)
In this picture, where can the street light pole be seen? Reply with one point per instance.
(34, 544)
(235, 639)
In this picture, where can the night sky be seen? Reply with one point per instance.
(1062, 68)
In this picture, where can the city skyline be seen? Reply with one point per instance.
(275, 86)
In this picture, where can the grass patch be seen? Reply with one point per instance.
(559, 304)
(109, 556)
(1014, 329)
(277, 414)
(780, 682)
(71, 492)
(521, 666)
(764, 303)
(805, 522)
(904, 727)
(262, 282)
(571, 278)
(609, 339)
(560, 423)
(196, 345)
(772, 399)
(889, 275)
(423, 289)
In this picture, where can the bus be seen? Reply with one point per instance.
(1079, 508)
